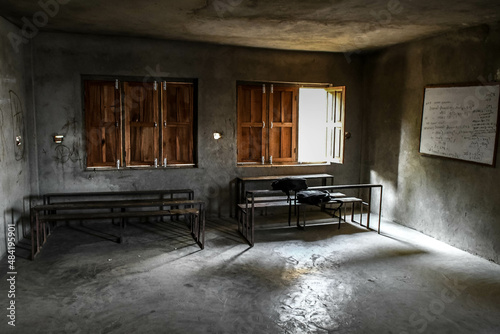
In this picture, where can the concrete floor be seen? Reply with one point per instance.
(321, 280)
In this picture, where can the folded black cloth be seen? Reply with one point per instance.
(287, 184)
(313, 197)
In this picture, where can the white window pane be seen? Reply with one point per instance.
(312, 134)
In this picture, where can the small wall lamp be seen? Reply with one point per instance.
(58, 139)
(217, 135)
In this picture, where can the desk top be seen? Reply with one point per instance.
(115, 204)
(276, 177)
(120, 193)
(346, 186)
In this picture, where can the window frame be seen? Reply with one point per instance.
(267, 115)
(88, 127)
(124, 155)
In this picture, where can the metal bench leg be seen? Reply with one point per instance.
(252, 222)
(340, 215)
(202, 213)
(289, 212)
(37, 234)
(298, 216)
(297, 207)
(361, 213)
(122, 227)
(32, 225)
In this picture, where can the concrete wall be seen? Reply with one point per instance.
(59, 60)
(453, 201)
(14, 168)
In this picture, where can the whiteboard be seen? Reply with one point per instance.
(460, 122)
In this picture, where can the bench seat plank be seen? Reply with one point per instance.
(114, 204)
(112, 215)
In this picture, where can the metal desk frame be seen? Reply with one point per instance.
(242, 181)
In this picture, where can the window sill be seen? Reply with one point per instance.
(285, 164)
(93, 169)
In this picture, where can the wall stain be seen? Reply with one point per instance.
(3, 141)
(16, 107)
(70, 126)
(64, 154)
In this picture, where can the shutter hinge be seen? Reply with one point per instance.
(271, 125)
(165, 162)
(271, 159)
(164, 85)
(263, 89)
(118, 164)
(155, 85)
(116, 84)
(263, 159)
(272, 89)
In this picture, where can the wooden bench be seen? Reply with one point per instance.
(367, 203)
(50, 198)
(263, 199)
(241, 183)
(92, 209)
(342, 201)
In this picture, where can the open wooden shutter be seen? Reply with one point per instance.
(102, 123)
(252, 102)
(177, 129)
(141, 123)
(335, 124)
(283, 124)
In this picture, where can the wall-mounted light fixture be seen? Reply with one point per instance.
(58, 139)
(18, 141)
(217, 135)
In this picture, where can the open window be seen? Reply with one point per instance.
(290, 124)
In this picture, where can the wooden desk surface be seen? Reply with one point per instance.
(115, 204)
(275, 177)
(119, 193)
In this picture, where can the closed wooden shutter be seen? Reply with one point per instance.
(335, 124)
(102, 123)
(141, 105)
(252, 135)
(177, 127)
(283, 124)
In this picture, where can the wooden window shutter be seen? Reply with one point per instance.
(283, 124)
(141, 106)
(102, 123)
(252, 110)
(335, 124)
(177, 127)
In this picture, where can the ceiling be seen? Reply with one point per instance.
(315, 25)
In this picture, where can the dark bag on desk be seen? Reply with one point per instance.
(287, 184)
(313, 197)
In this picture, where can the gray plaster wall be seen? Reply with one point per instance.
(15, 186)
(59, 60)
(453, 201)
